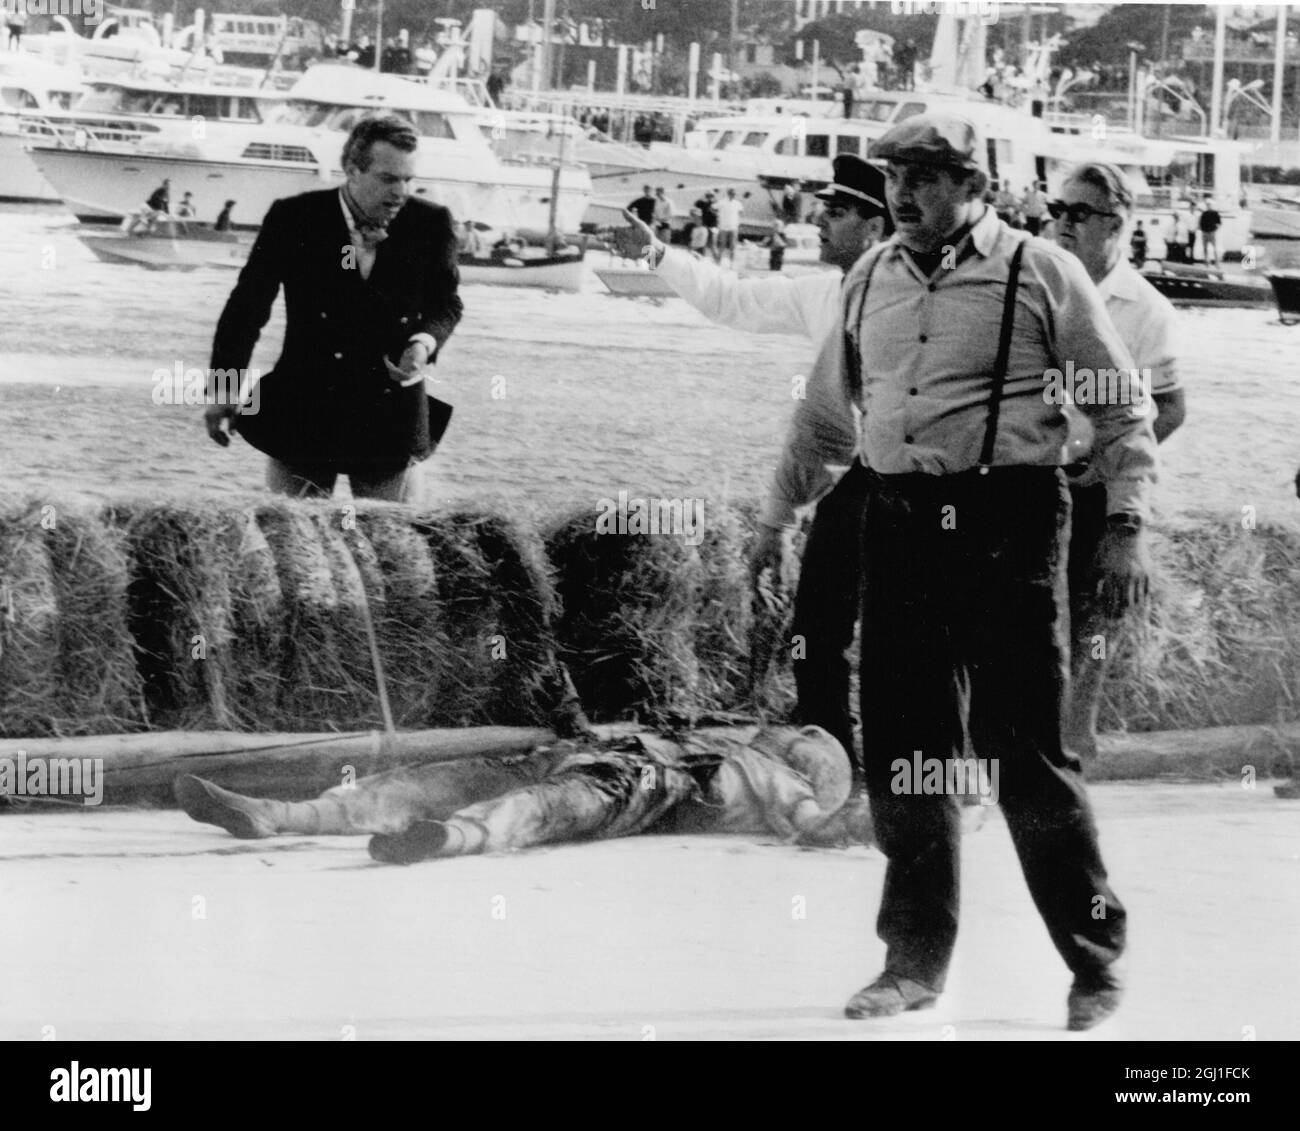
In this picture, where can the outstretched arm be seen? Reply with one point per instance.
(768, 305)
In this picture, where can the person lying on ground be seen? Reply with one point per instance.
(783, 780)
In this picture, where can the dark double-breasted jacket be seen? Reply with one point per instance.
(329, 399)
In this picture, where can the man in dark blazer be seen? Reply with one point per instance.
(370, 280)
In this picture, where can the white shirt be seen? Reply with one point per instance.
(729, 211)
(365, 255)
(807, 304)
(1146, 321)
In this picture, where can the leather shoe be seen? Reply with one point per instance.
(423, 840)
(1090, 1004)
(889, 995)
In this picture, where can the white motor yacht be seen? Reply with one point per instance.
(29, 84)
(758, 155)
(255, 146)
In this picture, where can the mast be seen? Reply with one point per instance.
(1216, 90)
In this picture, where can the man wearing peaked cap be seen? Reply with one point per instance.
(826, 603)
(944, 140)
(857, 184)
(952, 331)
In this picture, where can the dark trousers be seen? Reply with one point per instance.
(826, 610)
(963, 621)
(1094, 634)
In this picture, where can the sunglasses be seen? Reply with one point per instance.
(1079, 213)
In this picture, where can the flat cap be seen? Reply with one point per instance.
(855, 182)
(930, 139)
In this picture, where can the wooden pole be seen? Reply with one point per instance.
(548, 21)
(286, 766)
(1216, 88)
(1279, 63)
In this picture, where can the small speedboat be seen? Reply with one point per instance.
(526, 267)
(170, 245)
(1186, 285)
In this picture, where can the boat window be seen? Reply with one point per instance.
(166, 106)
(63, 99)
(874, 110)
(1000, 161)
(787, 146)
(104, 99)
(296, 113)
(908, 109)
(755, 139)
(819, 145)
(431, 124)
(849, 143)
(268, 151)
(728, 136)
(245, 109)
(18, 98)
(207, 105)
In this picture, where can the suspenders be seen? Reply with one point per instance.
(1004, 359)
(1000, 366)
(850, 346)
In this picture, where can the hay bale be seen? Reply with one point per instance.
(313, 689)
(470, 618)
(358, 686)
(412, 645)
(525, 686)
(724, 614)
(29, 629)
(627, 630)
(100, 689)
(1219, 643)
(258, 628)
(181, 559)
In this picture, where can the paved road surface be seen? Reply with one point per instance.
(135, 924)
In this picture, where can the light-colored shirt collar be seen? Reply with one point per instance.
(348, 218)
(983, 235)
(1122, 281)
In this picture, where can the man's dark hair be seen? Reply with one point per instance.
(397, 132)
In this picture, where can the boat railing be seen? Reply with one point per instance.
(42, 130)
(564, 101)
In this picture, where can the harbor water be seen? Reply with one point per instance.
(560, 399)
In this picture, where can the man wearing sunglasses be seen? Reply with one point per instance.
(1091, 215)
(964, 555)
(853, 218)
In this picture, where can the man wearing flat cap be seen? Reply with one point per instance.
(854, 217)
(958, 331)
